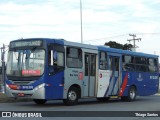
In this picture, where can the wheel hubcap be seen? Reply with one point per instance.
(72, 95)
(132, 94)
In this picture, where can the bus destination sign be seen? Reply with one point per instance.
(25, 43)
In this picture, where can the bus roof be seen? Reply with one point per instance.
(60, 41)
(127, 52)
(81, 45)
(49, 40)
(102, 48)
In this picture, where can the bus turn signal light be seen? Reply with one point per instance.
(13, 87)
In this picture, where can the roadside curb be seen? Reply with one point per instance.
(158, 94)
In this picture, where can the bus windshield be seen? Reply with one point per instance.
(29, 62)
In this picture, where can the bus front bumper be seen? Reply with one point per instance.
(36, 93)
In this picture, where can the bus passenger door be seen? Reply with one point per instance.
(115, 75)
(89, 75)
(55, 79)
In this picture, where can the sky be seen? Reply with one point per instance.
(102, 21)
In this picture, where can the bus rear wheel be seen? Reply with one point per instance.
(72, 97)
(40, 101)
(131, 95)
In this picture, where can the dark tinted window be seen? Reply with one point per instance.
(140, 60)
(152, 64)
(74, 57)
(141, 64)
(103, 60)
(128, 63)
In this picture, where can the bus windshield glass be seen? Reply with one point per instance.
(27, 63)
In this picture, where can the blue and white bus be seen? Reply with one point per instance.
(48, 69)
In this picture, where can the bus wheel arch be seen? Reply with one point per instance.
(73, 94)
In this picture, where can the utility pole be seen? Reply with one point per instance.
(134, 40)
(81, 21)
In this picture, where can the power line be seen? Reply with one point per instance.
(108, 37)
(148, 33)
(122, 35)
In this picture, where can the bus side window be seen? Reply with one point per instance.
(103, 61)
(56, 59)
(59, 60)
(110, 63)
(116, 64)
(152, 65)
(128, 63)
(74, 57)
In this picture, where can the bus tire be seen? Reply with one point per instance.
(131, 95)
(40, 101)
(72, 97)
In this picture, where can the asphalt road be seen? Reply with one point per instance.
(142, 104)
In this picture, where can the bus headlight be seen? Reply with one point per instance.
(39, 86)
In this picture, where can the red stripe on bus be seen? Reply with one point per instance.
(125, 81)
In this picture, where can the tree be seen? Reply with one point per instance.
(127, 46)
(114, 44)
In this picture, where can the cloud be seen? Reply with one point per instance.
(30, 18)
(15, 14)
(61, 19)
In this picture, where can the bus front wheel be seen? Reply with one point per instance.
(40, 101)
(72, 97)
